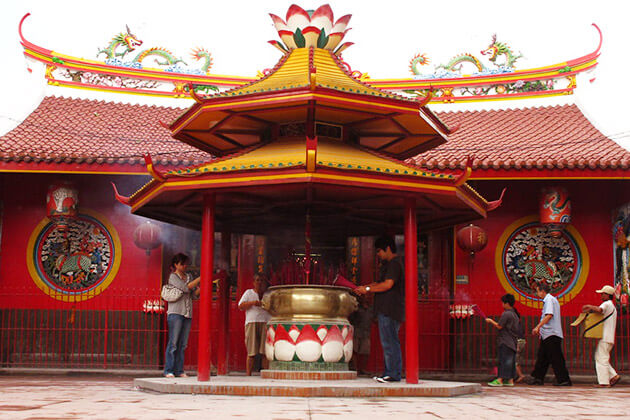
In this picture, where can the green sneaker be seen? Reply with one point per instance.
(495, 383)
(508, 384)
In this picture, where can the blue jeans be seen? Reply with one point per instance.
(507, 363)
(388, 331)
(178, 331)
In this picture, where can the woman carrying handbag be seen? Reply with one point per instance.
(179, 316)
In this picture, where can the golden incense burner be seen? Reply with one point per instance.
(309, 303)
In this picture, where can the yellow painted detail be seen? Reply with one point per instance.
(295, 72)
(330, 153)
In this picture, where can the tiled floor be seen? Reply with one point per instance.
(62, 397)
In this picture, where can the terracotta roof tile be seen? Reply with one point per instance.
(96, 132)
(544, 138)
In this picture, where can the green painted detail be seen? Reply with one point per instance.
(415, 173)
(280, 164)
(307, 366)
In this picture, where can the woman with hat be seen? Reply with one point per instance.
(606, 375)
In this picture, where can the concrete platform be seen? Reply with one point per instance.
(257, 386)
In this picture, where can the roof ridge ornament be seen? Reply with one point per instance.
(311, 29)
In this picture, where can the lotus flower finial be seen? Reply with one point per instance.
(305, 29)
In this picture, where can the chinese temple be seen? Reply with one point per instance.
(292, 174)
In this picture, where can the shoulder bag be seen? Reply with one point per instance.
(171, 293)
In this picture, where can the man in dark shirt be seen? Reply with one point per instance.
(389, 306)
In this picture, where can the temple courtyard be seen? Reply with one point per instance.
(116, 397)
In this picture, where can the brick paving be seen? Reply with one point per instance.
(103, 397)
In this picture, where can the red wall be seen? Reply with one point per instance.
(23, 197)
(592, 203)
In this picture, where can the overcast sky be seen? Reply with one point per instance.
(386, 35)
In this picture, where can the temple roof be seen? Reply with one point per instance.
(292, 152)
(94, 134)
(309, 87)
(309, 67)
(551, 138)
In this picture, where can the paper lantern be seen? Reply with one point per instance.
(472, 239)
(147, 236)
(555, 209)
(62, 202)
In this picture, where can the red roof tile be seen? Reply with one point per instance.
(64, 130)
(558, 137)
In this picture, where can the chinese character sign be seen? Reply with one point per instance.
(354, 259)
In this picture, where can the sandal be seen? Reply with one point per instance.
(519, 379)
(495, 383)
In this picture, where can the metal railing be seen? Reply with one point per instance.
(126, 329)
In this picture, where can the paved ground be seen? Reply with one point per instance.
(106, 397)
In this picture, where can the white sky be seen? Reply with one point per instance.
(386, 35)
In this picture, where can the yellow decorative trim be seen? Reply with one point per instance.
(310, 160)
(300, 176)
(83, 296)
(536, 303)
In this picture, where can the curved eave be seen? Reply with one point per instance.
(577, 65)
(524, 75)
(330, 176)
(47, 56)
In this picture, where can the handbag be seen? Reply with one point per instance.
(171, 293)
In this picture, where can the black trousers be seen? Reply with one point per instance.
(550, 353)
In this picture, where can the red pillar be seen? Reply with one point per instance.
(224, 305)
(205, 303)
(411, 292)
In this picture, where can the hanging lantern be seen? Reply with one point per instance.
(555, 209)
(62, 202)
(472, 239)
(147, 236)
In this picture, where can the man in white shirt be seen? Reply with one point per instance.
(606, 375)
(255, 322)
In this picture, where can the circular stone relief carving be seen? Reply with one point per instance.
(77, 263)
(528, 254)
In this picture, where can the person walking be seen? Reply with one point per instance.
(606, 375)
(389, 306)
(550, 349)
(509, 327)
(179, 316)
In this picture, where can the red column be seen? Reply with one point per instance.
(411, 292)
(205, 303)
(224, 305)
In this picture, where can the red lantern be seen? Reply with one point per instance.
(147, 236)
(472, 239)
(555, 209)
(62, 201)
